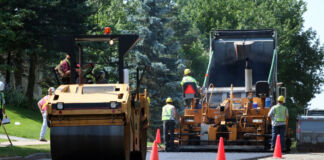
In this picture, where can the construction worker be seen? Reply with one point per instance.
(42, 106)
(169, 115)
(2, 101)
(278, 114)
(97, 76)
(64, 69)
(187, 78)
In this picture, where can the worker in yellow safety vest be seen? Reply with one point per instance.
(169, 115)
(64, 69)
(278, 114)
(187, 78)
(42, 106)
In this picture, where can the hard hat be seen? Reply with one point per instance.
(51, 88)
(169, 100)
(187, 71)
(281, 98)
(2, 85)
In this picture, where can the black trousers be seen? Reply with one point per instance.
(168, 126)
(188, 103)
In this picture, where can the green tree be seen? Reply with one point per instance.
(300, 54)
(28, 37)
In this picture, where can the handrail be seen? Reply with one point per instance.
(211, 93)
(272, 64)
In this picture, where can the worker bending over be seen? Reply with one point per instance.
(279, 115)
(169, 115)
(42, 106)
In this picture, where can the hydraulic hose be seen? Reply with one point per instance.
(272, 65)
(206, 75)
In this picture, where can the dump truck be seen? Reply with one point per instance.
(310, 131)
(98, 121)
(239, 89)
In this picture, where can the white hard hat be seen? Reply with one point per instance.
(51, 88)
(2, 85)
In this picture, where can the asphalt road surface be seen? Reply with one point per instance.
(205, 155)
(209, 155)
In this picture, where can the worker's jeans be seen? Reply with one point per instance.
(278, 130)
(168, 139)
(44, 127)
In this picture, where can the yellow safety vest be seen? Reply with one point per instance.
(186, 79)
(45, 104)
(167, 113)
(67, 60)
(280, 113)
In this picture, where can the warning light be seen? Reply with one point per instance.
(189, 90)
(107, 30)
(111, 42)
(206, 75)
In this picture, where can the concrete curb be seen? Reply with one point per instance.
(34, 156)
(13, 158)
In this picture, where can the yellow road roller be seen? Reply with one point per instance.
(99, 121)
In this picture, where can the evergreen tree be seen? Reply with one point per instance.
(158, 50)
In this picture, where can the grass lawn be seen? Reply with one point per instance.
(3, 140)
(30, 123)
(24, 150)
(150, 144)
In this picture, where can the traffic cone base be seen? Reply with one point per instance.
(154, 152)
(277, 150)
(221, 150)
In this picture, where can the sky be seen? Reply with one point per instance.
(314, 19)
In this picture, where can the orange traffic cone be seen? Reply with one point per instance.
(221, 151)
(277, 151)
(154, 152)
(158, 137)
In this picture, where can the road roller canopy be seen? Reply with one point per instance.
(231, 49)
(78, 48)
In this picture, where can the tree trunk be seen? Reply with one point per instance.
(31, 77)
(8, 69)
(18, 69)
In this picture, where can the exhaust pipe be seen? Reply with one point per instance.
(126, 76)
(248, 76)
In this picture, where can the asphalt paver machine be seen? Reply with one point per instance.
(98, 121)
(239, 89)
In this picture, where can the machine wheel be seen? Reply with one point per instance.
(267, 144)
(141, 155)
